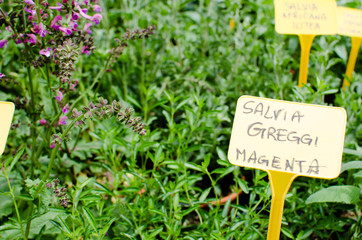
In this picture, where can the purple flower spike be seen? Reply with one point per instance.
(2, 75)
(52, 145)
(97, 18)
(62, 120)
(3, 42)
(45, 52)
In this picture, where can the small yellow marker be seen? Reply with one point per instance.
(7, 112)
(349, 22)
(305, 18)
(287, 140)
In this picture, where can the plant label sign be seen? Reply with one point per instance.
(7, 112)
(302, 139)
(349, 22)
(314, 17)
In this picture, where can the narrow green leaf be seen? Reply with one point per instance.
(155, 232)
(85, 183)
(225, 211)
(91, 198)
(90, 218)
(343, 194)
(16, 158)
(221, 154)
(287, 233)
(303, 235)
(103, 188)
(25, 197)
(194, 166)
(204, 194)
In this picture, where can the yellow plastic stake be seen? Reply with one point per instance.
(280, 183)
(7, 112)
(305, 43)
(356, 44)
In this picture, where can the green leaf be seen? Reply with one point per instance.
(15, 159)
(85, 183)
(194, 166)
(303, 235)
(351, 165)
(225, 211)
(90, 218)
(287, 233)
(204, 194)
(221, 154)
(343, 194)
(25, 197)
(91, 198)
(358, 174)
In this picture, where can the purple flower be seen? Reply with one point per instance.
(59, 96)
(52, 145)
(32, 39)
(42, 31)
(97, 8)
(85, 49)
(2, 75)
(87, 28)
(97, 18)
(30, 2)
(59, 7)
(43, 121)
(73, 25)
(54, 24)
(83, 12)
(66, 109)
(45, 52)
(67, 31)
(62, 120)
(75, 16)
(3, 42)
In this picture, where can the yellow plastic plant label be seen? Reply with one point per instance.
(303, 139)
(313, 17)
(287, 140)
(7, 112)
(349, 22)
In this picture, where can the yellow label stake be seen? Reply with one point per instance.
(287, 140)
(349, 23)
(305, 18)
(7, 112)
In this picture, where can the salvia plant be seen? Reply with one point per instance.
(53, 107)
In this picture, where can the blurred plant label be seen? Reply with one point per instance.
(298, 138)
(349, 22)
(315, 17)
(7, 112)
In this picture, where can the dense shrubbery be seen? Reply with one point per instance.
(79, 166)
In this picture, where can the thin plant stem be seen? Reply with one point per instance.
(15, 205)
